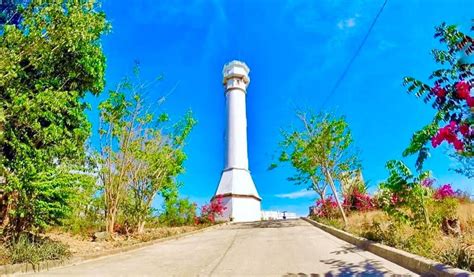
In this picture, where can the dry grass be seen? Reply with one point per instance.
(80, 245)
(429, 243)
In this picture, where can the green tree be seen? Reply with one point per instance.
(140, 154)
(47, 65)
(176, 211)
(320, 151)
(451, 97)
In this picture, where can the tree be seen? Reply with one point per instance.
(47, 65)
(177, 211)
(450, 95)
(139, 156)
(320, 152)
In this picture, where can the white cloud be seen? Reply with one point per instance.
(346, 23)
(304, 193)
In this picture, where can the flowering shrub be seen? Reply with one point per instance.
(451, 94)
(326, 208)
(443, 192)
(454, 134)
(357, 201)
(210, 211)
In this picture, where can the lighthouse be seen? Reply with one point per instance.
(240, 196)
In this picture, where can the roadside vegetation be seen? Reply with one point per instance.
(409, 210)
(59, 192)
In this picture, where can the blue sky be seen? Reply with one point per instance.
(296, 50)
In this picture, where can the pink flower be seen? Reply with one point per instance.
(428, 182)
(443, 192)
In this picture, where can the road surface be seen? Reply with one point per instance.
(273, 248)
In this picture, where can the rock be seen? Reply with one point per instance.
(100, 236)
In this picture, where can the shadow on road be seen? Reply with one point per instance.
(342, 268)
(268, 224)
(347, 249)
(368, 267)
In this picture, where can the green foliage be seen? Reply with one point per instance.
(86, 215)
(404, 197)
(320, 151)
(177, 211)
(449, 105)
(140, 155)
(47, 199)
(402, 236)
(47, 65)
(35, 250)
(321, 145)
(443, 209)
(406, 200)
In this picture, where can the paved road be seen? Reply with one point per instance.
(278, 248)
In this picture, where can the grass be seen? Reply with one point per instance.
(431, 243)
(31, 249)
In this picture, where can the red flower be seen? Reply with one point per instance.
(470, 102)
(465, 130)
(439, 91)
(463, 89)
(458, 145)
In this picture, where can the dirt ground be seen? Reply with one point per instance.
(80, 246)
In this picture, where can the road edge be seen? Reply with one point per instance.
(6, 270)
(415, 263)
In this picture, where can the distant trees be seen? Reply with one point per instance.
(320, 151)
(47, 65)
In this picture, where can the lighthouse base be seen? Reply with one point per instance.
(240, 196)
(241, 208)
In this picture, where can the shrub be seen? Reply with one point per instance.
(358, 201)
(459, 255)
(28, 249)
(180, 213)
(401, 236)
(443, 209)
(326, 208)
(210, 211)
(177, 211)
(443, 192)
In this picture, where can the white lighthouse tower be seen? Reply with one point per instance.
(236, 186)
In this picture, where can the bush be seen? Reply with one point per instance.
(210, 211)
(358, 201)
(28, 249)
(86, 218)
(459, 255)
(326, 208)
(401, 236)
(443, 192)
(177, 212)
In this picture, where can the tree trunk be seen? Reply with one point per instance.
(141, 226)
(333, 187)
(110, 220)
